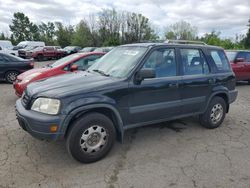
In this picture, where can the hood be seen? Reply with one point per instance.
(69, 84)
(29, 72)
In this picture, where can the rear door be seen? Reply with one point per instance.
(196, 82)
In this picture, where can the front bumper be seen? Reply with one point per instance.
(38, 124)
(232, 96)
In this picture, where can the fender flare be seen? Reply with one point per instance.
(214, 94)
(73, 113)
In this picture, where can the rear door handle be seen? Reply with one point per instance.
(211, 81)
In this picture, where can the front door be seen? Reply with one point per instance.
(158, 98)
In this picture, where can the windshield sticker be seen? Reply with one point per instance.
(130, 52)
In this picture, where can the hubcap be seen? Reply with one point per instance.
(216, 113)
(11, 77)
(93, 139)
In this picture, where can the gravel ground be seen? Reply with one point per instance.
(172, 154)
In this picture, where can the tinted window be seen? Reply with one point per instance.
(248, 57)
(163, 61)
(193, 62)
(220, 60)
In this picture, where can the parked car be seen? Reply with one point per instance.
(71, 49)
(103, 49)
(22, 45)
(79, 61)
(88, 49)
(5, 44)
(42, 53)
(23, 53)
(11, 66)
(25, 44)
(131, 86)
(240, 62)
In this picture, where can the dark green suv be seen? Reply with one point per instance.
(131, 86)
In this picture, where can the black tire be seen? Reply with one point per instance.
(210, 119)
(248, 82)
(40, 57)
(11, 76)
(81, 129)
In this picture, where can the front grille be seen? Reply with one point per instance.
(25, 100)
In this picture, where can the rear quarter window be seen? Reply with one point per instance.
(220, 60)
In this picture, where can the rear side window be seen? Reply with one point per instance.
(220, 60)
(194, 62)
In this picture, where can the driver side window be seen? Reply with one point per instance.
(163, 62)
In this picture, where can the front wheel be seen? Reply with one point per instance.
(215, 113)
(91, 138)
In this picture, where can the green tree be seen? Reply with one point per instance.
(21, 27)
(82, 35)
(247, 39)
(64, 34)
(2, 36)
(47, 32)
(181, 30)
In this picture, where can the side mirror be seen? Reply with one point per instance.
(73, 68)
(144, 74)
(238, 60)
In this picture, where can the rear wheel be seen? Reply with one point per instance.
(11, 76)
(215, 113)
(91, 138)
(248, 82)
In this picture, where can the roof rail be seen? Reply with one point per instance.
(184, 42)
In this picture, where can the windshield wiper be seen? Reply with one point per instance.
(101, 72)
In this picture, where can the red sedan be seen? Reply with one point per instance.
(78, 61)
(240, 62)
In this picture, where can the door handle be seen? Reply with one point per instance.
(173, 85)
(211, 81)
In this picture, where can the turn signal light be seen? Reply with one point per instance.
(53, 128)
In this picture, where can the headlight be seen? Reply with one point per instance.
(46, 105)
(31, 76)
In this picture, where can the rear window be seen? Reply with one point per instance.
(220, 60)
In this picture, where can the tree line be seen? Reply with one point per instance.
(111, 28)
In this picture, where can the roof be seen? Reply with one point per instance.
(151, 44)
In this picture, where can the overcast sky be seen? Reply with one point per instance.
(228, 16)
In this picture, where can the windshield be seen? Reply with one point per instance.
(30, 47)
(119, 62)
(65, 60)
(231, 55)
